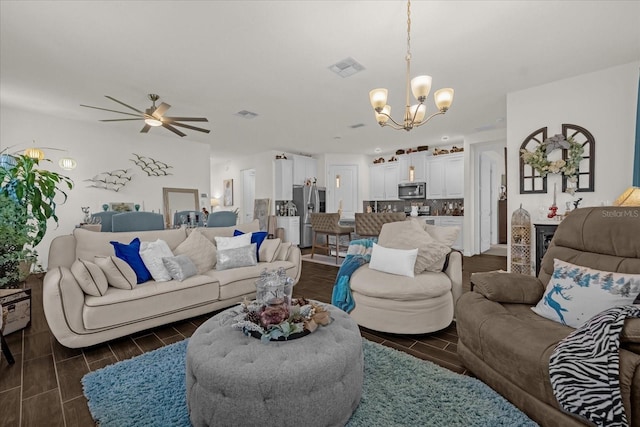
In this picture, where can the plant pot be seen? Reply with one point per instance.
(24, 268)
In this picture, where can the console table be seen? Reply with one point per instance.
(544, 234)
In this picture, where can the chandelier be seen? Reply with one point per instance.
(414, 115)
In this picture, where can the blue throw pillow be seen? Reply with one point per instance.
(131, 255)
(257, 237)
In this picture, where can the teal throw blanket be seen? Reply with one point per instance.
(359, 253)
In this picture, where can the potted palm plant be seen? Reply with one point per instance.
(27, 201)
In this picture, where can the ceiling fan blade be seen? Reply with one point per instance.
(190, 127)
(145, 129)
(162, 108)
(186, 119)
(113, 111)
(121, 120)
(174, 130)
(122, 103)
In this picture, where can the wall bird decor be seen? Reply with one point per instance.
(151, 167)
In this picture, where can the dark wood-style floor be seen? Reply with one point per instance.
(43, 387)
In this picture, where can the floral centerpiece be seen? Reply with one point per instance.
(280, 322)
(540, 163)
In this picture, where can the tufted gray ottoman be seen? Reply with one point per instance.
(235, 380)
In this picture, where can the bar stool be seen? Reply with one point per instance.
(327, 224)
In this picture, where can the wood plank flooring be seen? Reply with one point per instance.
(43, 387)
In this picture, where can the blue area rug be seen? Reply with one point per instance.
(399, 390)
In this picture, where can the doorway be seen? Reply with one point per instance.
(342, 189)
(248, 194)
(490, 166)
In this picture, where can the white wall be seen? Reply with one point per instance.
(604, 103)
(102, 147)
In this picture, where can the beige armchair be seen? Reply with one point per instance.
(327, 224)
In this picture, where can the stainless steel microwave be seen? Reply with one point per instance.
(412, 190)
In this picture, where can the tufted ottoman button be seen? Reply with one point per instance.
(235, 380)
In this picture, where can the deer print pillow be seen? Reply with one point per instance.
(575, 294)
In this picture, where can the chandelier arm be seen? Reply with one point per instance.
(437, 113)
(397, 125)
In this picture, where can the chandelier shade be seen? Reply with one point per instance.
(34, 153)
(67, 163)
(420, 86)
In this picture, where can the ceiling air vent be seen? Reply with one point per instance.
(357, 125)
(346, 67)
(246, 114)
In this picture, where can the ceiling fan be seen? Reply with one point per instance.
(154, 116)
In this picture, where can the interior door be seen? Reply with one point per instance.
(248, 194)
(342, 189)
(486, 164)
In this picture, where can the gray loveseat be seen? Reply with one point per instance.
(78, 319)
(506, 345)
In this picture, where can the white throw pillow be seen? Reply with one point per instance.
(575, 294)
(393, 261)
(152, 254)
(90, 277)
(119, 274)
(223, 243)
(200, 250)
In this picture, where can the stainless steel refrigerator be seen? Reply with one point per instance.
(308, 199)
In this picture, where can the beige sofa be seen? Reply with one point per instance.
(506, 345)
(77, 319)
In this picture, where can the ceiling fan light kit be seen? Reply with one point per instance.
(154, 116)
(420, 86)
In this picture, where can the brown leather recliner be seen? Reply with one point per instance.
(506, 345)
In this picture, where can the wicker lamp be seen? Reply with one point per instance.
(631, 197)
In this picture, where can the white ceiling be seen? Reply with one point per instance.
(215, 58)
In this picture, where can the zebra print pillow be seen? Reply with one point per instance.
(575, 294)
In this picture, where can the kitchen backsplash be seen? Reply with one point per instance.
(443, 207)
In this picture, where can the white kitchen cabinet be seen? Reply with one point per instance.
(384, 181)
(454, 176)
(445, 176)
(448, 221)
(304, 168)
(418, 161)
(435, 178)
(283, 171)
(291, 226)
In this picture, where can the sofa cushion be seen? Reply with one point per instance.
(199, 249)
(393, 261)
(90, 277)
(180, 267)
(270, 249)
(575, 294)
(131, 254)
(377, 284)
(148, 300)
(244, 256)
(411, 235)
(90, 243)
(119, 274)
(152, 254)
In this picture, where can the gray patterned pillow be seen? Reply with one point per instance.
(180, 267)
(243, 256)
